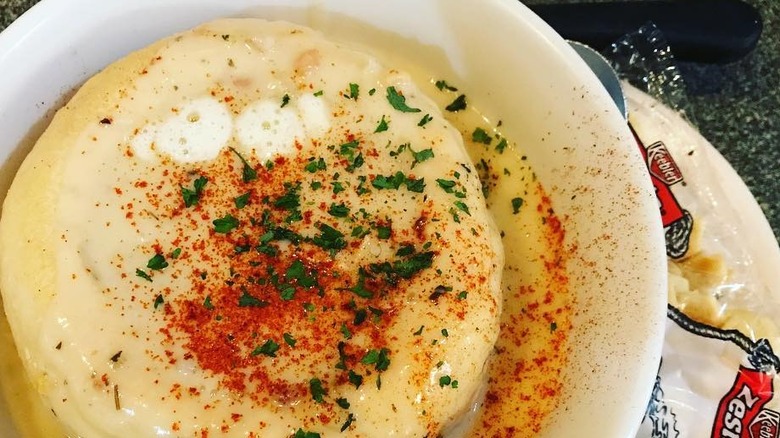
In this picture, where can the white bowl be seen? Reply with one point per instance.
(499, 51)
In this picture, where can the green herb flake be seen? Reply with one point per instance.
(208, 304)
(269, 348)
(225, 224)
(242, 200)
(289, 339)
(481, 136)
(285, 100)
(553, 326)
(458, 104)
(297, 272)
(315, 164)
(359, 289)
(454, 384)
(443, 85)
(192, 196)
(342, 402)
(355, 379)
(360, 232)
(445, 333)
(516, 204)
(423, 155)
(300, 433)
(337, 187)
(446, 184)
(379, 358)
(349, 150)
(345, 331)
(389, 182)
(291, 199)
(462, 207)
(338, 210)
(382, 126)
(348, 422)
(157, 262)
(176, 253)
(445, 381)
(329, 238)
(415, 185)
(159, 301)
(317, 391)
(246, 300)
(247, 172)
(142, 274)
(384, 232)
(463, 295)
(500, 147)
(354, 91)
(318, 93)
(425, 119)
(419, 331)
(371, 91)
(315, 185)
(398, 101)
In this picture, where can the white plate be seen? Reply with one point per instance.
(503, 54)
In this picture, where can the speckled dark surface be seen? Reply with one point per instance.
(737, 106)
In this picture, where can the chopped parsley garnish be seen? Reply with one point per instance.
(500, 147)
(348, 150)
(315, 165)
(425, 119)
(338, 210)
(207, 303)
(289, 339)
(300, 433)
(458, 104)
(242, 200)
(191, 197)
(462, 207)
(246, 300)
(342, 402)
(445, 381)
(318, 93)
(389, 182)
(445, 333)
(553, 326)
(382, 126)
(225, 224)
(403, 268)
(157, 262)
(398, 101)
(443, 85)
(360, 288)
(291, 200)
(446, 184)
(463, 295)
(379, 358)
(297, 272)
(329, 238)
(415, 185)
(516, 204)
(481, 136)
(350, 419)
(345, 331)
(384, 232)
(421, 156)
(419, 331)
(371, 91)
(269, 348)
(247, 172)
(338, 187)
(315, 185)
(159, 301)
(355, 378)
(317, 391)
(176, 253)
(142, 274)
(360, 232)
(455, 215)
(354, 90)
(285, 100)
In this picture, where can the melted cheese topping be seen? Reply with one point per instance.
(268, 241)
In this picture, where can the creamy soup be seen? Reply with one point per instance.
(279, 236)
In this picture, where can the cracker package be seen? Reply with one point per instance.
(720, 360)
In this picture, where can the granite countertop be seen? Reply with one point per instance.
(736, 106)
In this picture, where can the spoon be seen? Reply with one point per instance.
(605, 74)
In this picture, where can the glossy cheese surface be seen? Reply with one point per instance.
(248, 229)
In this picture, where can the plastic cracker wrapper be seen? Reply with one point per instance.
(720, 365)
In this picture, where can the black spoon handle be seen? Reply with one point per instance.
(706, 31)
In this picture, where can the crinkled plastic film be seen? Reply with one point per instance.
(720, 364)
